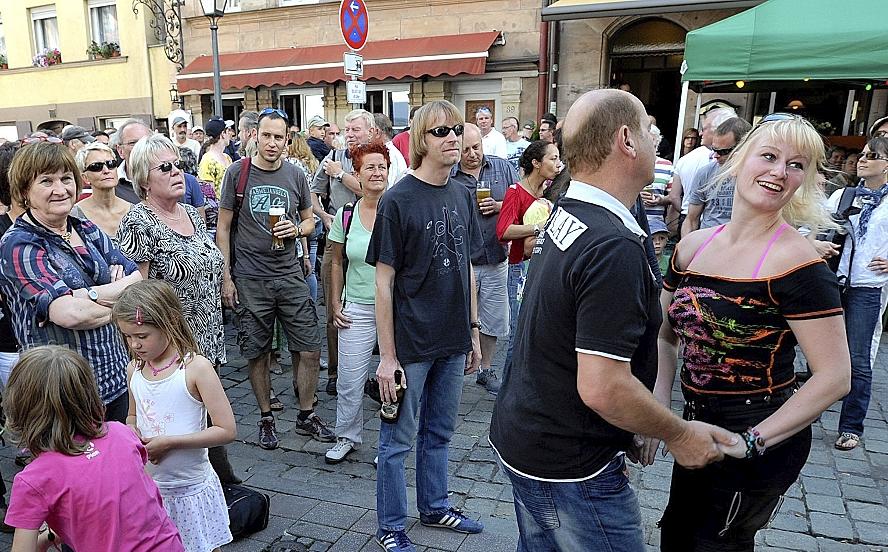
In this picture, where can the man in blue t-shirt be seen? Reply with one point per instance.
(427, 320)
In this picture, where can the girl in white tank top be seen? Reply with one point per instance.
(171, 390)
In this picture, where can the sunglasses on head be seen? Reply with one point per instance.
(41, 137)
(97, 166)
(270, 110)
(442, 131)
(871, 156)
(167, 166)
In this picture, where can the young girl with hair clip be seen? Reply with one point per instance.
(171, 390)
(87, 482)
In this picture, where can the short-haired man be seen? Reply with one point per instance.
(101, 136)
(179, 134)
(711, 205)
(580, 382)
(267, 286)
(397, 165)
(490, 261)
(331, 135)
(130, 132)
(234, 145)
(879, 128)
(317, 131)
(494, 142)
(247, 130)
(75, 137)
(547, 130)
(687, 170)
(426, 317)
(198, 134)
(515, 143)
(335, 183)
(402, 139)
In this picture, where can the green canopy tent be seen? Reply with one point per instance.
(785, 40)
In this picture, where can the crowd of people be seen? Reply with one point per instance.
(122, 251)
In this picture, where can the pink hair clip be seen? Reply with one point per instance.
(139, 319)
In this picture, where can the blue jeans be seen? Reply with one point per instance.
(862, 309)
(312, 279)
(517, 273)
(437, 385)
(597, 514)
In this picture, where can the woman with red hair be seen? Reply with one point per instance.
(353, 295)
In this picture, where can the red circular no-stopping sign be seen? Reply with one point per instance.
(354, 23)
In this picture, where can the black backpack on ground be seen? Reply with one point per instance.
(247, 510)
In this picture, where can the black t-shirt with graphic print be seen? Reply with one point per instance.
(427, 233)
(589, 289)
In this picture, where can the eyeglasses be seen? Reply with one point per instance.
(880, 134)
(724, 152)
(97, 166)
(270, 110)
(41, 137)
(442, 131)
(872, 156)
(167, 166)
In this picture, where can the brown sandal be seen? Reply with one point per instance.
(276, 405)
(847, 441)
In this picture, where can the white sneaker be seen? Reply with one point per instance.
(339, 451)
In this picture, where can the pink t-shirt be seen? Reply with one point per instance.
(101, 501)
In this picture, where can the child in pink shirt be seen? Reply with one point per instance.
(87, 480)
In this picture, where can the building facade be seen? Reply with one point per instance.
(52, 75)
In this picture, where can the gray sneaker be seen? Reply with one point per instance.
(316, 428)
(267, 435)
(487, 379)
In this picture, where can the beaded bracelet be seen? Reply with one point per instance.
(755, 443)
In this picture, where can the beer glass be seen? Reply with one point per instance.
(482, 192)
(275, 214)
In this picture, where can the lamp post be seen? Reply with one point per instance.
(214, 10)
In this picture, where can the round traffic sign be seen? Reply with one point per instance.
(354, 23)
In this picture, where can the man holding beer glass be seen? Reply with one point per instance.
(489, 177)
(263, 279)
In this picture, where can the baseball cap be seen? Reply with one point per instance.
(529, 125)
(317, 121)
(77, 133)
(229, 123)
(215, 127)
(877, 124)
(657, 226)
(198, 128)
(179, 120)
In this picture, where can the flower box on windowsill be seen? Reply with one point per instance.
(47, 58)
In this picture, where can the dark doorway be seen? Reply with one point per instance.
(646, 55)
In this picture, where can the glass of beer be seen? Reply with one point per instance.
(275, 215)
(482, 192)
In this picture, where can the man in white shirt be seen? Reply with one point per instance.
(515, 143)
(180, 136)
(397, 165)
(492, 140)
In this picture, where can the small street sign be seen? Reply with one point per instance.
(356, 92)
(354, 23)
(354, 64)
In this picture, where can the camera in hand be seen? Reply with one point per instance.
(389, 411)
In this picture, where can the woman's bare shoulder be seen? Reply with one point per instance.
(690, 244)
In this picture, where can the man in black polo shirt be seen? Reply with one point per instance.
(585, 347)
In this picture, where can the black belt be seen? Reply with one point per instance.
(735, 412)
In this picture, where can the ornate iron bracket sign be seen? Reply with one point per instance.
(166, 21)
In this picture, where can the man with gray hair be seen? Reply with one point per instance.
(515, 143)
(689, 167)
(247, 128)
(397, 164)
(494, 142)
(122, 141)
(335, 184)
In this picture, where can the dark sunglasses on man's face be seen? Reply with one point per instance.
(442, 131)
(97, 166)
(167, 166)
(871, 156)
(724, 152)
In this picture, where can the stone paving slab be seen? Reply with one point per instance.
(838, 504)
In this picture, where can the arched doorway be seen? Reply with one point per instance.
(646, 54)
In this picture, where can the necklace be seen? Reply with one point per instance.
(164, 214)
(155, 371)
(66, 235)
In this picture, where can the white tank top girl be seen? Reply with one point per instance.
(166, 407)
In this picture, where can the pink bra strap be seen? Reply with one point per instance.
(773, 239)
(702, 247)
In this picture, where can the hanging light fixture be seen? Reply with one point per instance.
(795, 105)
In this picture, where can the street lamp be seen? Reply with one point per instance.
(214, 10)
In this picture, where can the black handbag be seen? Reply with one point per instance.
(841, 236)
(247, 510)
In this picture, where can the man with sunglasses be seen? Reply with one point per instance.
(266, 285)
(711, 205)
(425, 232)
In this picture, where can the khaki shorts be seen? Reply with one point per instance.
(493, 298)
(285, 300)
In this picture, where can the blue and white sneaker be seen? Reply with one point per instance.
(452, 519)
(394, 541)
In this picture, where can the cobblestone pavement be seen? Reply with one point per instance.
(838, 504)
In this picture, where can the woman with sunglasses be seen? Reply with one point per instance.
(863, 270)
(60, 274)
(169, 241)
(739, 297)
(98, 166)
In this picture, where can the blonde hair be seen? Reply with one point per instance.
(300, 150)
(424, 119)
(144, 154)
(40, 158)
(806, 206)
(52, 401)
(83, 153)
(154, 303)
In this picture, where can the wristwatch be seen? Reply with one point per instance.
(92, 294)
(340, 175)
(475, 325)
(537, 230)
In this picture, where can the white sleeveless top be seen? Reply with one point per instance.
(166, 407)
